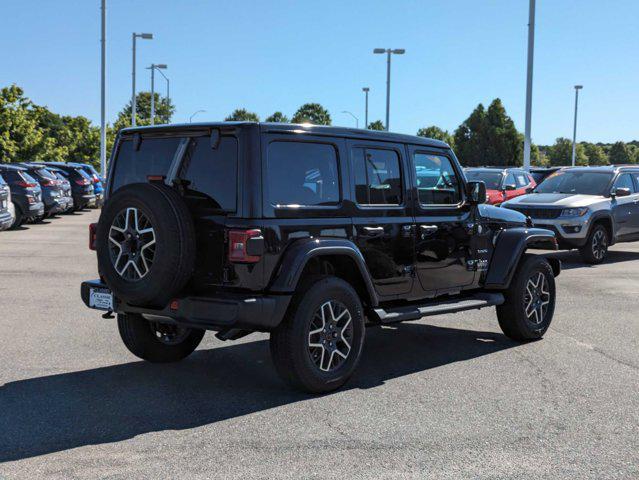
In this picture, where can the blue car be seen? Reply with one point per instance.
(98, 182)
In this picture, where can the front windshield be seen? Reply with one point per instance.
(576, 182)
(491, 179)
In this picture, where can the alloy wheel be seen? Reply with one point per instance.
(599, 244)
(536, 298)
(131, 244)
(330, 336)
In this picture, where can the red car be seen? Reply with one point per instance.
(502, 183)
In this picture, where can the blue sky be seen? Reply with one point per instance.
(276, 55)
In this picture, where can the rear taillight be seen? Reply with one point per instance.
(82, 181)
(96, 179)
(93, 227)
(245, 246)
(50, 183)
(24, 184)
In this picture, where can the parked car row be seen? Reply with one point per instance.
(588, 208)
(30, 192)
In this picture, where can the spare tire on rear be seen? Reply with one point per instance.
(145, 243)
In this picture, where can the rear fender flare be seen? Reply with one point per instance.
(511, 245)
(302, 251)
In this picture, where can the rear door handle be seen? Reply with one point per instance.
(428, 229)
(373, 230)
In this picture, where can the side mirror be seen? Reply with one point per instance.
(620, 192)
(476, 192)
(510, 186)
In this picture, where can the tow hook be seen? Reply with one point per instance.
(108, 314)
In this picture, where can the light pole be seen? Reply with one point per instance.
(152, 68)
(388, 52)
(146, 36)
(168, 97)
(529, 80)
(366, 90)
(574, 128)
(351, 114)
(194, 114)
(103, 91)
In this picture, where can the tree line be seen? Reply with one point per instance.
(31, 132)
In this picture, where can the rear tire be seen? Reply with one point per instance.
(156, 342)
(530, 300)
(19, 220)
(596, 247)
(318, 345)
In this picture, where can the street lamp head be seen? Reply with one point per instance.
(365, 89)
(578, 87)
(146, 36)
(399, 51)
(161, 65)
(379, 50)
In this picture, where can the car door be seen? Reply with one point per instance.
(443, 223)
(510, 187)
(634, 218)
(624, 209)
(382, 221)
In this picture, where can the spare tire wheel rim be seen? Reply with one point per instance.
(131, 244)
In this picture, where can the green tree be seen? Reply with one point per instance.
(619, 153)
(312, 113)
(489, 137)
(595, 154)
(436, 133)
(20, 137)
(242, 115)
(470, 138)
(376, 125)
(164, 110)
(560, 153)
(277, 117)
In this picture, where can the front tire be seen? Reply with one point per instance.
(530, 300)
(596, 247)
(318, 345)
(157, 342)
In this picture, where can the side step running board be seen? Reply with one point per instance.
(439, 307)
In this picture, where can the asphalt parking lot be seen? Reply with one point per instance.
(446, 397)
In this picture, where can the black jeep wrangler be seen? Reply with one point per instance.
(310, 233)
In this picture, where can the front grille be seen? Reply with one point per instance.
(542, 213)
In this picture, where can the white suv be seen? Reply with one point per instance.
(589, 208)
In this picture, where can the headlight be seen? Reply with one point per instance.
(574, 212)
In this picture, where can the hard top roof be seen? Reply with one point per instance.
(321, 130)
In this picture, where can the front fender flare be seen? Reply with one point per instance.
(511, 245)
(301, 251)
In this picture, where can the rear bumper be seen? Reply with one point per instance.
(82, 201)
(34, 210)
(242, 311)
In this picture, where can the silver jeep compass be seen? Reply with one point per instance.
(589, 208)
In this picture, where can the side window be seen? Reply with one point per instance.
(437, 182)
(302, 173)
(510, 180)
(212, 173)
(377, 175)
(522, 179)
(625, 181)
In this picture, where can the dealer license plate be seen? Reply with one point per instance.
(101, 299)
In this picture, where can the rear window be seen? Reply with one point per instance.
(44, 173)
(153, 158)
(302, 174)
(211, 174)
